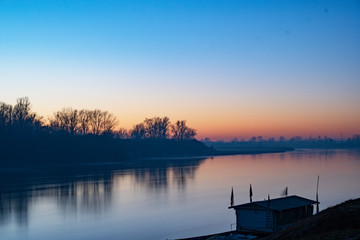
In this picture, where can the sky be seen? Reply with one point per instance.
(230, 68)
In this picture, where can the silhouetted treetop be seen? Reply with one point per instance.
(122, 133)
(95, 122)
(65, 120)
(20, 115)
(161, 128)
(181, 131)
(138, 131)
(157, 128)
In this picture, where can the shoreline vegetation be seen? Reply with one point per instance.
(73, 136)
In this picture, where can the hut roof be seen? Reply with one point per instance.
(277, 204)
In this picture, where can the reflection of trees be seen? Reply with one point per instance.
(80, 195)
(14, 205)
(89, 193)
(181, 175)
(315, 154)
(153, 178)
(167, 172)
(72, 194)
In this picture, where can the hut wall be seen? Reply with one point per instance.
(259, 220)
(290, 216)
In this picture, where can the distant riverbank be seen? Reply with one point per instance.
(251, 150)
(296, 144)
(50, 150)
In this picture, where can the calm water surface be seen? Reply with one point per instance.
(160, 199)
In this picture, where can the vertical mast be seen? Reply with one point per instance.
(317, 196)
(250, 193)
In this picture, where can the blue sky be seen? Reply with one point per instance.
(246, 61)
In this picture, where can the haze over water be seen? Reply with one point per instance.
(160, 199)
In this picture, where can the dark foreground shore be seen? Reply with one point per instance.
(341, 222)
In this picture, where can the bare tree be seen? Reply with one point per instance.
(138, 131)
(84, 118)
(5, 114)
(96, 122)
(181, 131)
(21, 110)
(157, 128)
(73, 121)
(65, 120)
(21, 114)
(109, 122)
(122, 133)
(83, 122)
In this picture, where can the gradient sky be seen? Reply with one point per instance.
(230, 68)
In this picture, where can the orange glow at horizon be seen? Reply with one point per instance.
(334, 128)
(223, 120)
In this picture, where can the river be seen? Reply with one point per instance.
(165, 199)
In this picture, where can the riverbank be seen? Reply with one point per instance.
(325, 143)
(70, 150)
(338, 222)
(252, 150)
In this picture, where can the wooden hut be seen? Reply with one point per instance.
(272, 215)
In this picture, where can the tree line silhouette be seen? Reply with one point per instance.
(72, 135)
(88, 122)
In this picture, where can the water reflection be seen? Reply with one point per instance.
(86, 189)
(153, 178)
(159, 199)
(15, 204)
(182, 175)
(16, 199)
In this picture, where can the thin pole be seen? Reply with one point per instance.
(317, 196)
(250, 193)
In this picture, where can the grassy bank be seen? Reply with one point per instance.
(339, 222)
